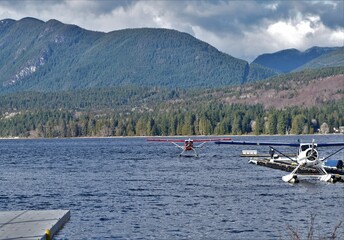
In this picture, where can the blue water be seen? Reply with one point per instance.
(133, 189)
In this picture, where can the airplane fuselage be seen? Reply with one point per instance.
(188, 145)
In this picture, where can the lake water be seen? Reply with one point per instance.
(132, 189)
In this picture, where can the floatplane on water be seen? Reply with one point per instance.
(307, 157)
(188, 144)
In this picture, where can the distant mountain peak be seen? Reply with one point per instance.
(290, 59)
(54, 23)
(29, 20)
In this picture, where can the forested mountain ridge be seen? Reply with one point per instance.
(307, 88)
(52, 56)
(315, 101)
(290, 60)
(331, 59)
(280, 94)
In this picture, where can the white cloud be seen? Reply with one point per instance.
(304, 33)
(290, 33)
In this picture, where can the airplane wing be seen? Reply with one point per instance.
(183, 140)
(212, 140)
(165, 140)
(330, 144)
(296, 144)
(258, 143)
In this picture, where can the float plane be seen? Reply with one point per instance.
(307, 156)
(188, 144)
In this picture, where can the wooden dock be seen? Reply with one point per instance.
(30, 224)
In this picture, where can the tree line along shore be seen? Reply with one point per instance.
(209, 119)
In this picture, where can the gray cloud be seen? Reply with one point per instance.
(243, 29)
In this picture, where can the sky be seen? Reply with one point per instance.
(243, 29)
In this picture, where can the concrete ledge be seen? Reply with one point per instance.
(29, 224)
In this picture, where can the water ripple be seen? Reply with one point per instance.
(125, 189)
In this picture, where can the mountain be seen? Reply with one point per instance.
(331, 59)
(306, 88)
(291, 59)
(50, 56)
(53, 56)
(260, 72)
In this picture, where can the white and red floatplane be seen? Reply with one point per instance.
(188, 143)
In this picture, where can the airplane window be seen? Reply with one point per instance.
(305, 147)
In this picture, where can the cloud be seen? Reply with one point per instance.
(243, 29)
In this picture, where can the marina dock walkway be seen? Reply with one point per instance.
(31, 224)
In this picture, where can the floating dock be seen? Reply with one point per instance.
(289, 167)
(254, 153)
(30, 224)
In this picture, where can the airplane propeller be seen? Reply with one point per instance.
(313, 154)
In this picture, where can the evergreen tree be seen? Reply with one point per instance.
(298, 124)
(281, 123)
(236, 126)
(272, 123)
(204, 126)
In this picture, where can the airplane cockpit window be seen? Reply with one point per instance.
(304, 147)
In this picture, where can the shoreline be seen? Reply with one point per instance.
(175, 136)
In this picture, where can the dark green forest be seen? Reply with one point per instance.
(211, 119)
(132, 110)
(139, 111)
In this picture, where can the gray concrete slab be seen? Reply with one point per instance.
(31, 224)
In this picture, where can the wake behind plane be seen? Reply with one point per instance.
(307, 156)
(188, 144)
